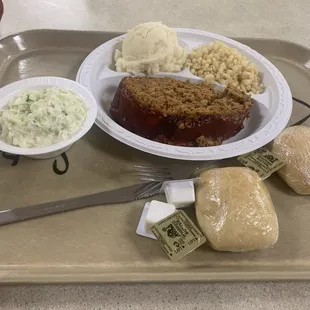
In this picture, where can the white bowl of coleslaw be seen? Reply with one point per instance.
(42, 117)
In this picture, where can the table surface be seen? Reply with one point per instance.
(283, 19)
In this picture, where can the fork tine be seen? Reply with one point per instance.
(150, 167)
(155, 179)
(152, 174)
(161, 172)
(150, 179)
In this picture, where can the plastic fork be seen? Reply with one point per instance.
(172, 172)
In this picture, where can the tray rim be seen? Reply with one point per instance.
(86, 275)
(76, 274)
(117, 33)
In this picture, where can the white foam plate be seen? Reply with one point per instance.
(267, 118)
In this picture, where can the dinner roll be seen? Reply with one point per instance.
(292, 146)
(235, 211)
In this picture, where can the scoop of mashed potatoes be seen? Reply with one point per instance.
(150, 48)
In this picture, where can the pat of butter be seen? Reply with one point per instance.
(157, 211)
(180, 194)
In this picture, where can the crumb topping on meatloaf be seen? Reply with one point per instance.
(171, 97)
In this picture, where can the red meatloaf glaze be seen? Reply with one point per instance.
(179, 113)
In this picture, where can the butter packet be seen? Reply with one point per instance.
(178, 235)
(262, 161)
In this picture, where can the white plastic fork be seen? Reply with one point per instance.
(171, 172)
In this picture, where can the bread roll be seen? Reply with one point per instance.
(235, 211)
(292, 146)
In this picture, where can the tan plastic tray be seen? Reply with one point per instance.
(99, 244)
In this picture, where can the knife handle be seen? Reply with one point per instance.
(48, 208)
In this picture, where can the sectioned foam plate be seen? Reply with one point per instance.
(267, 119)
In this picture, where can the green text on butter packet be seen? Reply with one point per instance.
(261, 161)
(178, 235)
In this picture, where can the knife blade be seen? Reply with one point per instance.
(120, 195)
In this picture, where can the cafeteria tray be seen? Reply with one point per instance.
(99, 244)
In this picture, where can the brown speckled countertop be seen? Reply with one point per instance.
(239, 296)
(284, 19)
